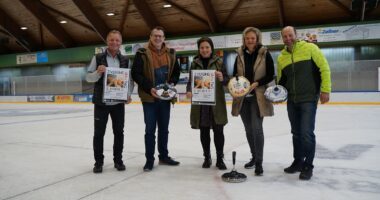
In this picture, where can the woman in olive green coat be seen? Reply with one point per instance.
(205, 117)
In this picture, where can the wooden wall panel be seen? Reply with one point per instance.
(255, 13)
(299, 12)
(21, 16)
(177, 22)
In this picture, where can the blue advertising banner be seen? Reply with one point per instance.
(82, 98)
(42, 57)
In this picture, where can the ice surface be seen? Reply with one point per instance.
(46, 153)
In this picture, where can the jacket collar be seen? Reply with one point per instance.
(152, 48)
(295, 45)
(198, 60)
(245, 49)
(118, 54)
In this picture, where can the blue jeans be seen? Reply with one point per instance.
(156, 114)
(302, 121)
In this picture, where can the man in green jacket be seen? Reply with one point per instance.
(303, 70)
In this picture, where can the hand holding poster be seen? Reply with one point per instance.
(116, 84)
(203, 87)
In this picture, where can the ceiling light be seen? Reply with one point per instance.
(167, 6)
(110, 14)
(23, 28)
(63, 22)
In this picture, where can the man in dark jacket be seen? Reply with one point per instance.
(110, 58)
(153, 65)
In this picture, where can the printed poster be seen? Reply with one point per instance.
(116, 84)
(203, 87)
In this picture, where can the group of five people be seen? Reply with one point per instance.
(302, 70)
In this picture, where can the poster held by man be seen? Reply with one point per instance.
(203, 87)
(116, 84)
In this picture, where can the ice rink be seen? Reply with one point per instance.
(46, 153)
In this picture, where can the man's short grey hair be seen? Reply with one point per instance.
(115, 32)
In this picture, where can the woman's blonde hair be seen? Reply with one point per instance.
(256, 31)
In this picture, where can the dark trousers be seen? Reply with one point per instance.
(302, 121)
(253, 124)
(100, 123)
(156, 114)
(218, 140)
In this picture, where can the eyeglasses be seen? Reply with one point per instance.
(157, 36)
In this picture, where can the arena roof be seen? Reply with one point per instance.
(33, 25)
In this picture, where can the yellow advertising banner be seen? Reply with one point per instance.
(64, 98)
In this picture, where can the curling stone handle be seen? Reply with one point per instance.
(233, 157)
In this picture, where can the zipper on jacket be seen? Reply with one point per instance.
(294, 75)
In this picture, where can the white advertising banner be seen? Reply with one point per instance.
(41, 98)
(340, 33)
(189, 44)
(26, 59)
(320, 34)
(219, 42)
(233, 41)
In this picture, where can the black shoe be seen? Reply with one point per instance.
(168, 161)
(220, 164)
(306, 172)
(119, 166)
(98, 168)
(296, 166)
(250, 164)
(259, 169)
(148, 166)
(207, 163)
